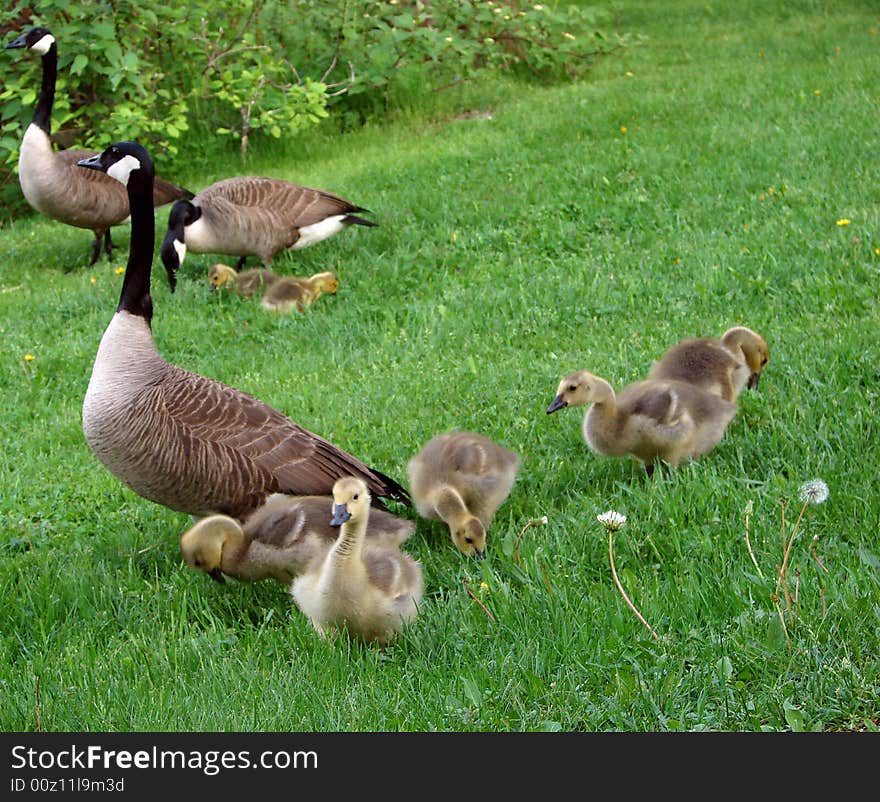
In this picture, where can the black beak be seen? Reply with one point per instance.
(752, 383)
(169, 256)
(217, 576)
(340, 515)
(93, 162)
(558, 403)
(478, 553)
(16, 43)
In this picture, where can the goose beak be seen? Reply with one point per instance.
(171, 256)
(16, 43)
(217, 576)
(340, 515)
(93, 162)
(558, 403)
(478, 553)
(752, 383)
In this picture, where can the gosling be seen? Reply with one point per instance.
(650, 420)
(280, 540)
(721, 367)
(294, 291)
(245, 283)
(461, 478)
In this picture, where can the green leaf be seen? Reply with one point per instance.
(79, 64)
(472, 691)
(793, 717)
(869, 558)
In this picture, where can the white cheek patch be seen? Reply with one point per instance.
(42, 47)
(122, 169)
(180, 248)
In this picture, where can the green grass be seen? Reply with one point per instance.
(511, 251)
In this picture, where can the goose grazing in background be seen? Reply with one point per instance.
(180, 439)
(298, 292)
(461, 478)
(253, 216)
(280, 541)
(651, 420)
(51, 181)
(369, 590)
(722, 367)
(245, 283)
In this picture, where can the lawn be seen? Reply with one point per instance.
(720, 170)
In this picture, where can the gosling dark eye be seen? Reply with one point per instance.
(572, 388)
(354, 497)
(764, 361)
(469, 540)
(198, 563)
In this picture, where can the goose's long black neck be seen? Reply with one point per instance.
(43, 110)
(135, 297)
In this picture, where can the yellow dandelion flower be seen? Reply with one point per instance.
(817, 92)
(877, 251)
(538, 7)
(568, 35)
(630, 74)
(677, 260)
(762, 196)
(92, 280)
(484, 588)
(29, 357)
(623, 129)
(454, 236)
(119, 271)
(844, 221)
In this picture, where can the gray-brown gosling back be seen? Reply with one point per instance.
(371, 591)
(290, 292)
(461, 478)
(651, 420)
(279, 541)
(245, 283)
(722, 367)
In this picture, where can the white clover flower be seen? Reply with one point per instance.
(815, 491)
(611, 520)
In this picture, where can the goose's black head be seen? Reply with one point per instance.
(123, 161)
(173, 249)
(40, 40)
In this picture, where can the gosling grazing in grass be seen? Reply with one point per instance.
(290, 292)
(371, 591)
(722, 367)
(180, 439)
(245, 283)
(51, 181)
(254, 216)
(651, 420)
(279, 541)
(461, 478)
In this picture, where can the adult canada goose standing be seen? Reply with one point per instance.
(369, 590)
(51, 181)
(279, 541)
(461, 478)
(722, 366)
(651, 420)
(181, 439)
(254, 216)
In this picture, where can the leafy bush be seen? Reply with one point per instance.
(149, 70)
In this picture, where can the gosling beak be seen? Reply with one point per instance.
(752, 383)
(217, 576)
(558, 403)
(478, 554)
(93, 162)
(340, 515)
(15, 43)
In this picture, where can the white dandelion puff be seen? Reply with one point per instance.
(611, 520)
(815, 491)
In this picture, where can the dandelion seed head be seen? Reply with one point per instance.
(611, 520)
(815, 491)
(544, 520)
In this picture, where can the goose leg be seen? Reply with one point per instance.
(240, 264)
(108, 244)
(96, 249)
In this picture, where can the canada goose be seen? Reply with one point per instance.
(50, 180)
(461, 478)
(295, 291)
(371, 591)
(180, 439)
(652, 419)
(722, 367)
(249, 215)
(245, 283)
(279, 540)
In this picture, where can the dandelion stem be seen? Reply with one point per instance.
(474, 597)
(530, 522)
(748, 542)
(620, 587)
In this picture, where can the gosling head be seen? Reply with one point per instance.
(220, 274)
(202, 546)
(578, 389)
(327, 282)
(37, 40)
(469, 537)
(754, 349)
(351, 500)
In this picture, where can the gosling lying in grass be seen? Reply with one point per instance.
(461, 478)
(651, 420)
(370, 590)
(280, 540)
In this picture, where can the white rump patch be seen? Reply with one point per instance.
(43, 45)
(180, 249)
(309, 235)
(123, 169)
